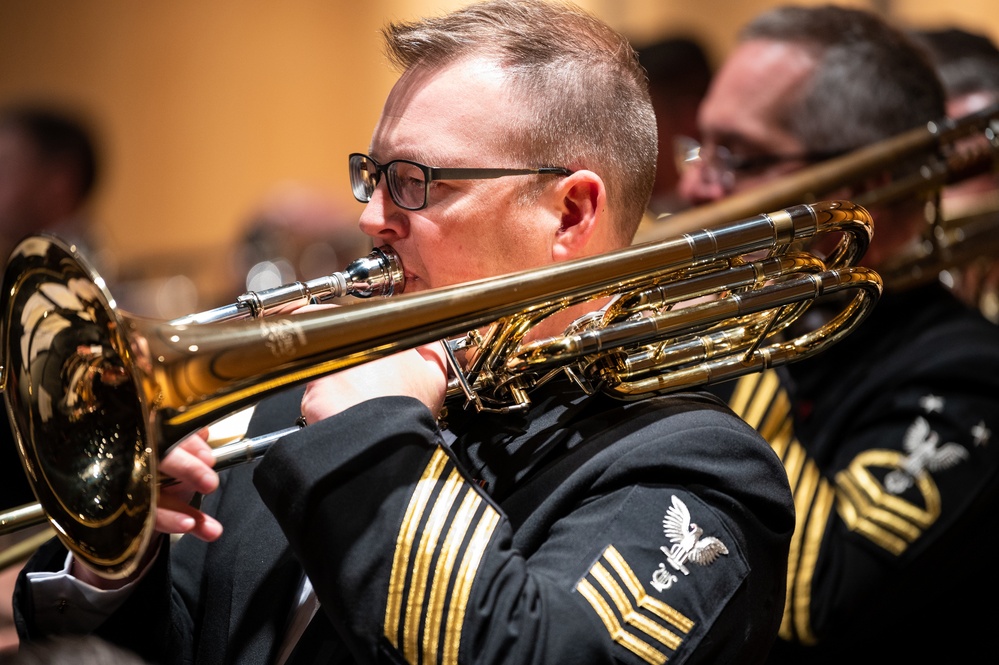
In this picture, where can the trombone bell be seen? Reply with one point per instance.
(69, 380)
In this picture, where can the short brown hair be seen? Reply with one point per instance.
(872, 81)
(585, 95)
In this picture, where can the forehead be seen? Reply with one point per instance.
(443, 112)
(758, 79)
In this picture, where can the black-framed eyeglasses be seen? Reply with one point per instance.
(409, 182)
(724, 167)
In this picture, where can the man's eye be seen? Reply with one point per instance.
(411, 183)
(740, 163)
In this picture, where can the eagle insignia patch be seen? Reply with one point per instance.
(925, 453)
(689, 545)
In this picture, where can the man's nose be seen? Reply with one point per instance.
(381, 218)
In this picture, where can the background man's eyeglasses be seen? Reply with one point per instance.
(409, 182)
(724, 167)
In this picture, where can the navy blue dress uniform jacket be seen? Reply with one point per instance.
(891, 443)
(587, 530)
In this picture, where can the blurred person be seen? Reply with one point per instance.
(968, 65)
(297, 232)
(679, 73)
(48, 173)
(584, 529)
(886, 438)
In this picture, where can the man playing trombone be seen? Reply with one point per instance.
(580, 530)
(889, 437)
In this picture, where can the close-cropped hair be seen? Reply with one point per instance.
(872, 81)
(966, 62)
(584, 95)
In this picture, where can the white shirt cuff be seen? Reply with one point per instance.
(65, 604)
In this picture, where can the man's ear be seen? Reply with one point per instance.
(583, 209)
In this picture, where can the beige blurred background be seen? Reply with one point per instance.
(205, 108)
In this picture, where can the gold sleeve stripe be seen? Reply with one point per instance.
(889, 521)
(438, 604)
(766, 406)
(662, 610)
(463, 585)
(801, 589)
(794, 459)
(745, 388)
(422, 563)
(760, 401)
(804, 488)
(617, 632)
(778, 429)
(410, 524)
(753, 395)
(435, 562)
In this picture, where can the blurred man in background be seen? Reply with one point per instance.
(48, 172)
(297, 232)
(887, 438)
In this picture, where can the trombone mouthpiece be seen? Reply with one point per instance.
(379, 273)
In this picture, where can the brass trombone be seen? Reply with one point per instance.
(940, 153)
(956, 242)
(97, 396)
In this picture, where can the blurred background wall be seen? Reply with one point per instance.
(208, 112)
